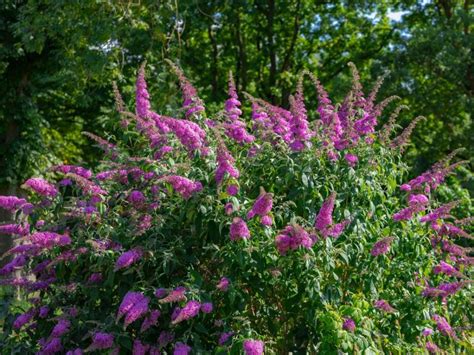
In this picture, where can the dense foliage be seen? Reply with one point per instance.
(284, 231)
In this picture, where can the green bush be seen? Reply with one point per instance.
(204, 235)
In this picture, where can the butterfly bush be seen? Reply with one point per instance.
(258, 229)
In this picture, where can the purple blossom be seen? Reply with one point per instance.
(185, 187)
(224, 337)
(128, 258)
(225, 164)
(262, 206)
(150, 321)
(139, 348)
(142, 98)
(49, 239)
(427, 332)
(128, 302)
(440, 212)
(136, 198)
(41, 187)
(61, 328)
(139, 309)
(191, 102)
(299, 131)
(165, 338)
(43, 311)
(232, 190)
(384, 306)
(253, 347)
(23, 319)
(95, 278)
(78, 170)
(101, 340)
(77, 351)
(160, 292)
(11, 203)
(181, 349)
(266, 220)
(17, 263)
(381, 246)
(239, 229)
(432, 347)
(15, 229)
(419, 199)
(229, 208)
(177, 295)
(403, 215)
(190, 310)
(206, 307)
(443, 326)
(351, 159)
(223, 284)
(349, 325)
(324, 217)
(445, 268)
(191, 136)
(53, 346)
(291, 238)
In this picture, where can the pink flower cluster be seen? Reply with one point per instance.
(291, 238)
(324, 223)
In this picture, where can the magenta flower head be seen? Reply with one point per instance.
(253, 347)
(53, 346)
(351, 159)
(139, 348)
(165, 338)
(445, 268)
(223, 284)
(224, 337)
(262, 206)
(384, 306)
(432, 348)
(177, 295)
(381, 246)
(49, 240)
(207, 307)
(139, 309)
(181, 349)
(11, 203)
(324, 217)
(77, 351)
(239, 229)
(232, 190)
(15, 229)
(185, 187)
(136, 198)
(23, 319)
(95, 278)
(150, 321)
(443, 326)
(349, 325)
(142, 103)
(160, 292)
(427, 332)
(190, 310)
(41, 187)
(101, 340)
(229, 208)
(129, 301)
(128, 258)
(291, 238)
(61, 328)
(266, 220)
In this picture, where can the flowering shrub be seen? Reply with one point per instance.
(272, 234)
